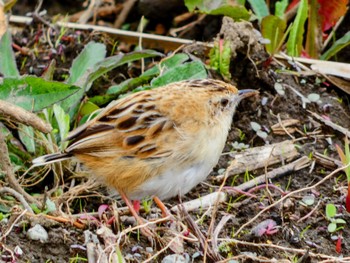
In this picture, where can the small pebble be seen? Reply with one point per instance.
(175, 258)
(18, 251)
(37, 232)
(149, 249)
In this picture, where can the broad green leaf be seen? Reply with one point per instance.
(88, 108)
(280, 8)
(295, 40)
(63, 123)
(260, 8)
(88, 57)
(192, 70)
(8, 65)
(236, 12)
(34, 93)
(337, 46)
(331, 211)
(272, 28)
(219, 7)
(112, 62)
(26, 134)
(71, 104)
(163, 66)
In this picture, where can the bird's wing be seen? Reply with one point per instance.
(131, 127)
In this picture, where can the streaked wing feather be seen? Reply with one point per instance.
(131, 127)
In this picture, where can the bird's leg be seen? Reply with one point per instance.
(162, 207)
(136, 205)
(144, 230)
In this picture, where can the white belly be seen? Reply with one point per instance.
(173, 182)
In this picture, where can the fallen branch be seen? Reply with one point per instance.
(149, 40)
(20, 115)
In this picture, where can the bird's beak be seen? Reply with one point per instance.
(244, 93)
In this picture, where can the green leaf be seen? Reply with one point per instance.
(219, 7)
(220, 58)
(8, 65)
(272, 28)
(203, 5)
(88, 108)
(236, 12)
(163, 66)
(4, 209)
(260, 8)
(63, 123)
(71, 104)
(337, 46)
(340, 221)
(34, 93)
(50, 206)
(332, 227)
(88, 57)
(26, 134)
(331, 211)
(280, 8)
(192, 70)
(295, 40)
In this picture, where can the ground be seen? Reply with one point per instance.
(298, 231)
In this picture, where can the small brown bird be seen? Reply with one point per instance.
(156, 143)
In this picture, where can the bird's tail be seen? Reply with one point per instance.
(51, 158)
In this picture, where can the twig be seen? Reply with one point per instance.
(22, 116)
(331, 124)
(310, 213)
(287, 196)
(124, 35)
(18, 196)
(8, 170)
(217, 230)
(127, 5)
(90, 11)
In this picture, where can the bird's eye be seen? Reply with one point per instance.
(224, 102)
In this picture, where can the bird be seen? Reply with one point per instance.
(156, 143)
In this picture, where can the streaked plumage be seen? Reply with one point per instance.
(159, 142)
